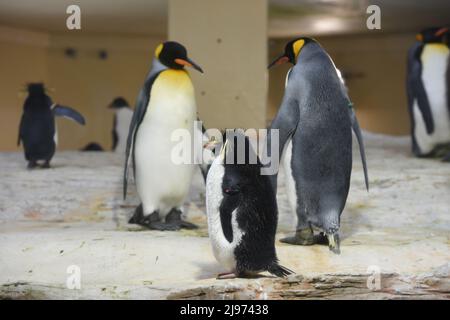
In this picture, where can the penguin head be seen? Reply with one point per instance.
(242, 165)
(118, 103)
(174, 55)
(37, 98)
(291, 51)
(433, 35)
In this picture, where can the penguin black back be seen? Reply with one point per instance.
(37, 126)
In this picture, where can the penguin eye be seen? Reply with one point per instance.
(231, 190)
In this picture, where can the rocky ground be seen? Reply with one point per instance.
(397, 236)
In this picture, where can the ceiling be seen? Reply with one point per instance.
(286, 17)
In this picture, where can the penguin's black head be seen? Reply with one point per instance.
(291, 51)
(37, 98)
(241, 163)
(433, 35)
(174, 55)
(36, 89)
(118, 103)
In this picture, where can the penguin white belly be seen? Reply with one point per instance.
(222, 249)
(161, 183)
(289, 178)
(123, 117)
(434, 66)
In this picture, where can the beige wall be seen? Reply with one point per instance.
(23, 58)
(89, 84)
(377, 67)
(230, 43)
(85, 83)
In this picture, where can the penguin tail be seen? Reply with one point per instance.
(279, 271)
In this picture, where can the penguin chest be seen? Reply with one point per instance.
(434, 60)
(224, 251)
(160, 179)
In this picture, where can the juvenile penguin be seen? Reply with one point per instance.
(122, 119)
(242, 211)
(165, 103)
(37, 129)
(428, 92)
(315, 124)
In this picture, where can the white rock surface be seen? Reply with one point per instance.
(73, 214)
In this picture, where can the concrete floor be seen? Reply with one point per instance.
(73, 214)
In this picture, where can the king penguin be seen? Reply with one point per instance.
(165, 103)
(242, 211)
(122, 119)
(428, 88)
(37, 129)
(315, 124)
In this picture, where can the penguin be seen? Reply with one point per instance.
(315, 123)
(242, 211)
(165, 103)
(37, 129)
(427, 89)
(122, 119)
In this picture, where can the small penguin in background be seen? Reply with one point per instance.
(315, 124)
(37, 129)
(122, 119)
(165, 103)
(428, 93)
(242, 211)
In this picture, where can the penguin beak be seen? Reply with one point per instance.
(419, 37)
(280, 60)
(189, 63)
(440, 32)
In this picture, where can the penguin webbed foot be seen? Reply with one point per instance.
(32, 164)
(173, 219)
(226, 276)
(46, 165)
(151, 221)
(302, 237)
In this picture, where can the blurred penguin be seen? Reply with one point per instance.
(428, 92)
(37, 129)
(122, 118)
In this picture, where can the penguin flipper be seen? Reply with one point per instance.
(67, 112)
(138, 115)
(357, 130)
(416, 89)
(285, 122)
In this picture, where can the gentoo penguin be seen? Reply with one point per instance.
(242, 211)
(37, 129)
(165, 103)
(122, 119)
(428, 92)
(315, 122)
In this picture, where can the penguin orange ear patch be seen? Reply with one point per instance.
(297, 46)
(158, 50)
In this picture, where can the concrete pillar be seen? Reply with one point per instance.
(228, 38)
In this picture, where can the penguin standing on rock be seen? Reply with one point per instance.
(37, 129)
(165, 103)
(242, 212)
(428, 91)
(315, 124)
(122, 119)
